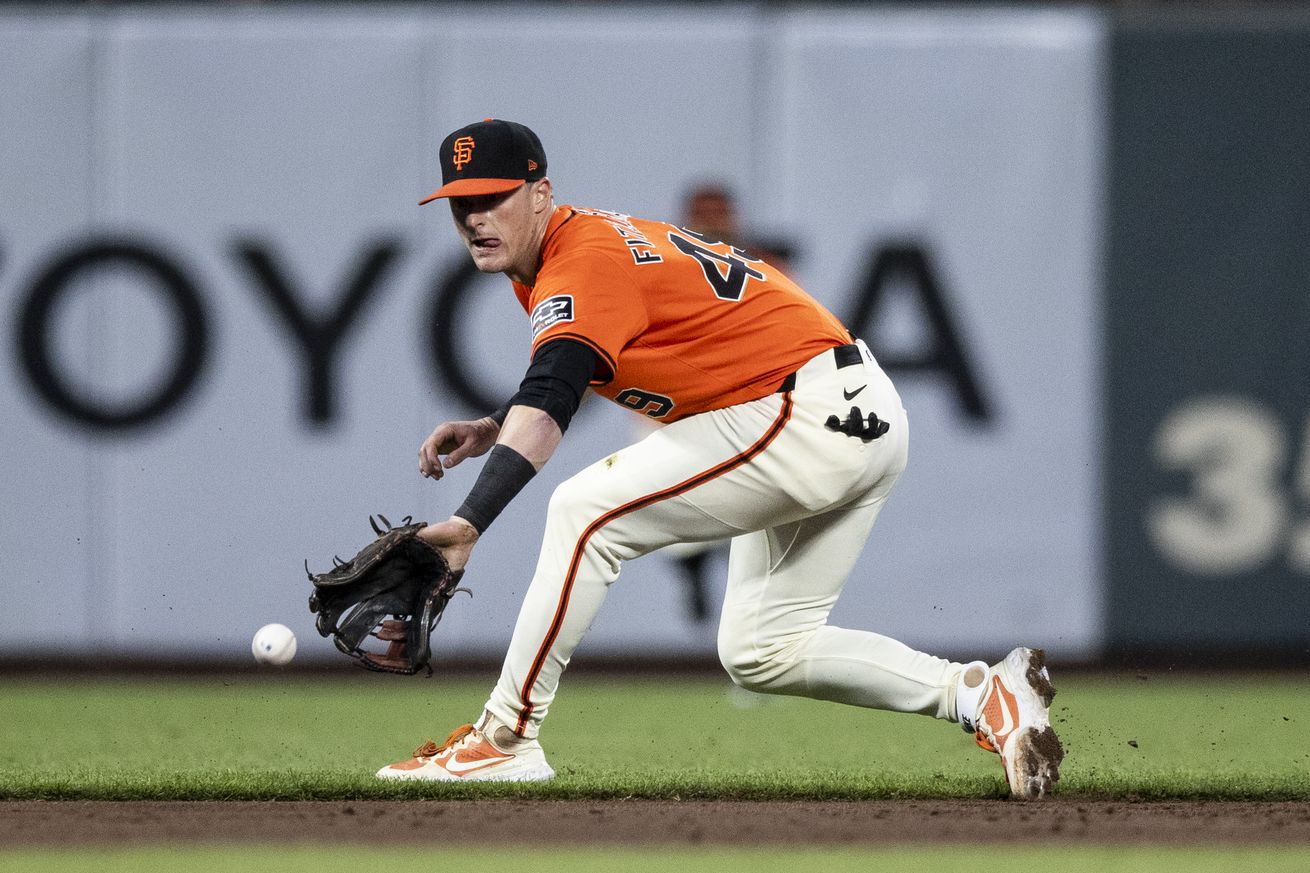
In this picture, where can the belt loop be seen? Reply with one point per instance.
(847, 355)
(842, 356)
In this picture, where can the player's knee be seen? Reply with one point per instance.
(741, 670)
(752, 667)
(565, 500)
(571, 508)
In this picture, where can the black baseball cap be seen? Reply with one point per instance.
(489, 157)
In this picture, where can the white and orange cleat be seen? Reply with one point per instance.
(469, 754)
(1011, 717)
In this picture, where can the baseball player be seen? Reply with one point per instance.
(782, 433)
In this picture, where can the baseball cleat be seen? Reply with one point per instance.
(469, 755)
(1014, 721)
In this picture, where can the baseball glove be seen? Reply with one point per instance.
(397, 575)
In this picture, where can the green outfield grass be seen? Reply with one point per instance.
(917, 859)
(272, 736)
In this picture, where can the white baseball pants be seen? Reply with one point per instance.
(798, 500)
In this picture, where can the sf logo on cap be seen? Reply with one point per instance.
(463, 152)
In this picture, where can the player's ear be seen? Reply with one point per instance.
(541, 194)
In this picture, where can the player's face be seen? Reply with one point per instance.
(503, 232)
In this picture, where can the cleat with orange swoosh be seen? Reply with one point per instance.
(470, 755)
(1013, 720)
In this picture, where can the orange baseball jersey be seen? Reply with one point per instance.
(681, 324)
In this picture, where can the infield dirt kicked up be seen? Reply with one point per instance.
(39, 824)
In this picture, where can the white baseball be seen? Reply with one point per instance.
(273, 644)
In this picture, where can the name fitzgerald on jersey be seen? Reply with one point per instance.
(642, 249)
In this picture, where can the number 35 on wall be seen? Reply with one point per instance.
(1239, 512)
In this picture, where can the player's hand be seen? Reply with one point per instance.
(456, 440)
(454, 538)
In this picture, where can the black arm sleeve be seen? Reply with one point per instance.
(557, 379)
(503, 476)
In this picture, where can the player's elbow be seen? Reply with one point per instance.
(532, 433)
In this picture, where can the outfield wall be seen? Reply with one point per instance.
(1208, 337)
(227, 326)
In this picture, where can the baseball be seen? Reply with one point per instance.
(273, 644)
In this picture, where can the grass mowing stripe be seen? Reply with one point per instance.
(915, 859)
(261, 737)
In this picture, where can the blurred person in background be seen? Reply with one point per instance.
(711, 209)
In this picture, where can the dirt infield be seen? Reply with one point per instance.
(579, 823)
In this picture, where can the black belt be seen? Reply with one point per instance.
(845, 356)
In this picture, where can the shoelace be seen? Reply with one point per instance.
(430, 749)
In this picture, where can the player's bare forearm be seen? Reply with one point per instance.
(456, 440)
(532, 433)
(529, 436)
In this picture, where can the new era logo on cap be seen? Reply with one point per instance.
(489, 157)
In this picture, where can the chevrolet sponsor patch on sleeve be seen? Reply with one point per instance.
(550, 311)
